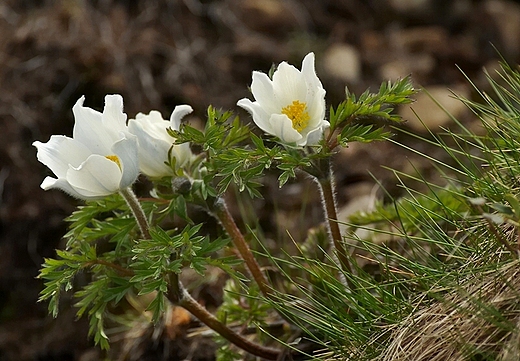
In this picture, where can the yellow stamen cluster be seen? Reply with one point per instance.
(115, 159)
(298, 114)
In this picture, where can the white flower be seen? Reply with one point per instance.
(291, 106)
(101, 157)
(155, 142)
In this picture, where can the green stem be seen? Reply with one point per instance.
(222, 214)
(178, 294)
(329, 204)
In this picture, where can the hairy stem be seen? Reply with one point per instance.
(329, 204)
(137, 211)
(221, 212)
(178, 294)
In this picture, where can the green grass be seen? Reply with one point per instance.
(443, 282)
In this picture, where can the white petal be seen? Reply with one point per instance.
(154, 117)
(260, 116)
(315, 97)
(89, 129)
(126, 149)
(262, 89)
(179, 112)
(59, 152)
(182, 153)
(153, 125)
(61, 184)
(312, 138)
(153, 151)
(309, 72)
(288, 85)
(281, 126)
(113, 116)
(97, 177)
(316, 107)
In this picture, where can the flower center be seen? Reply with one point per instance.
(298, 114)
(115, 159)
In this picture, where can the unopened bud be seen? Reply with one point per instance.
(181, 185)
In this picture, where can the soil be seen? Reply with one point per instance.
(158, 54)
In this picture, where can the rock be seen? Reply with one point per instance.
(376, 48)
(343, 62)
(410, 6)
(416, 64)
(506, 15)
(273, 17)
(362, 197)
(363, 200)
(90, 355)
(426, 110)
(430, 39)
(266, 8)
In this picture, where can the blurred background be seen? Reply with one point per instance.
(158, 54)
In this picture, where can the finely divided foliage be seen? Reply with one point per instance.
(427, 251)
(140, 256)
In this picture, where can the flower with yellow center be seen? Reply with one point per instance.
(298, 114)
(291, 105)
(101, 157)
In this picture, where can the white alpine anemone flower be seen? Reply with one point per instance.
(101, 157)
(155, 142)
(291, 106)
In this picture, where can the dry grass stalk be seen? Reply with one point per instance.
(480, 320)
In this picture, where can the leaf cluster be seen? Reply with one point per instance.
(242, 305)
(230, 160)
(168, 252)
(221, 131)
(350, 115)
(101, 242)
(106, 287)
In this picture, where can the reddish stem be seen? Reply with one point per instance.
(178, 295)
(329, 205)
(225, 218)
(212, 322)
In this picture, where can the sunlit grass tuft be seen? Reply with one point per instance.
(444, 277)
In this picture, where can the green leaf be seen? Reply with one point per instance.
(157, 306)
(209, 246)
(362, 133)
(180, 208)
(352, 115)
(152, 286)
(159, 235)
(258, 142)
